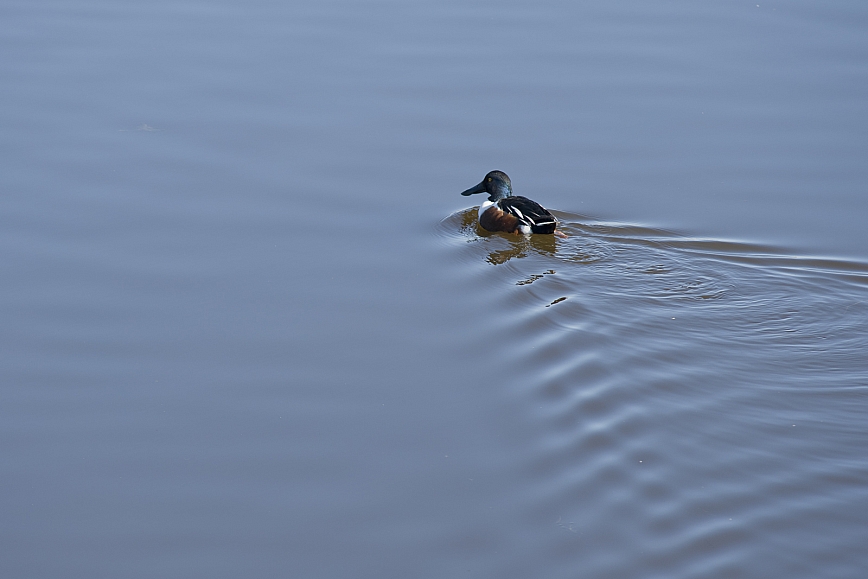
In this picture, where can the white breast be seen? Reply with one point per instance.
(484, 206)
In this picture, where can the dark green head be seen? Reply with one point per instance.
(496, 184)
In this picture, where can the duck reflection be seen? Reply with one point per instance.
(519, 245)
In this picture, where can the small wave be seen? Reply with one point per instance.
(709, 390)
(672, 258)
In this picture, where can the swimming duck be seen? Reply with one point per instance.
(507, 212)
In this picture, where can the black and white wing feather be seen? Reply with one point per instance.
(529, 213)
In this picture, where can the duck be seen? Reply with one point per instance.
(510, 213)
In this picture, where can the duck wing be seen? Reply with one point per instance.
(530, 213)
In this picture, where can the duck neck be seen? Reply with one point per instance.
(500, 191)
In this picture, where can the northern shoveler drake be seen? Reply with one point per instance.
(510, 213)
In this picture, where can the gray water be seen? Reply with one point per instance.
(249, 326)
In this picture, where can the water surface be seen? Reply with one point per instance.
(250, 327)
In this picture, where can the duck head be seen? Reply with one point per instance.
(496, 184)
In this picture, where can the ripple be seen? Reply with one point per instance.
(710, 392)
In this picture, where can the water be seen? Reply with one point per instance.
(690, 401)
(249, 325)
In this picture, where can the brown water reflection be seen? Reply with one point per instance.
(519, 246)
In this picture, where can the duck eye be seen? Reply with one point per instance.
(489, 179)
